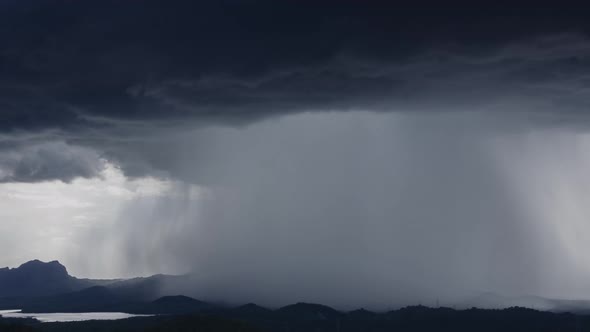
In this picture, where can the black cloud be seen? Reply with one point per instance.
(111, 75)
(67, 64)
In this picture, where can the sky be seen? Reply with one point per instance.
(342, 152)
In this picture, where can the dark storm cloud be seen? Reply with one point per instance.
(49, 161)
(72, 65)
(118, 76)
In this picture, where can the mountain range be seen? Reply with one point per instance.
(38, 286)
(47, 287)
(36, 278)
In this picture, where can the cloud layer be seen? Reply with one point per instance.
(49, 161)
(235, 61)
(107, 74)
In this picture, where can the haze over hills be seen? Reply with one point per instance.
(37, 286)
(47, 287)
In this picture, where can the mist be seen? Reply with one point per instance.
(365, 209)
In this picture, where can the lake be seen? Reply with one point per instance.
(68, 317)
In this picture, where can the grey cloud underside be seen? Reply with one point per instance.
(49, 161)
(120, 78)
(75, 66)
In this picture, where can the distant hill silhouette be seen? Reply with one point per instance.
(251, 310)
(95, 298)
(361, 314)
(149, 288)
(488, 300)
(308, 311)
(178, 304)
(37, 286)
(36, 278)
(47, 287)
(128, 298)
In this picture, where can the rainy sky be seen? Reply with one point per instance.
(343, 152)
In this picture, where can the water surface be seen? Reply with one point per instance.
(67, 316)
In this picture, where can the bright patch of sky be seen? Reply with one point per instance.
(49, 220)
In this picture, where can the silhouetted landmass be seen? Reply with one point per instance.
(489, 300)
(202, 324)
(47, 287)
(361, 314)
(308, 311)
(36, 286)
(251, 311)
(17, 325)
(312, 317)
(145, 288)
(173, 305)
(104, 299)
(36, 278)
(96, 298)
